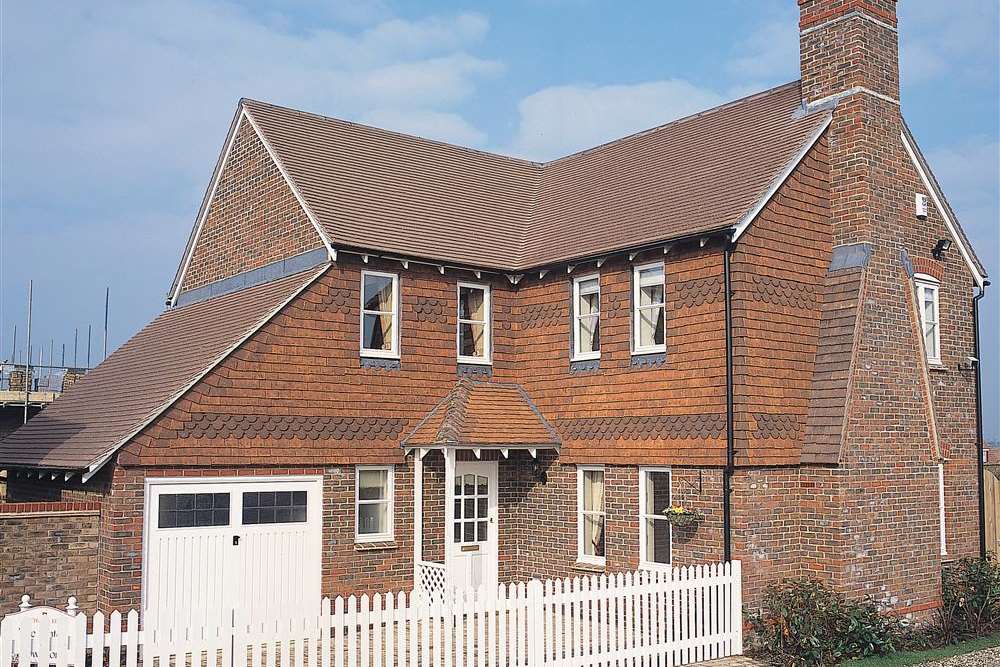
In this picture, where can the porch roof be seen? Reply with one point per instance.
(484, 415)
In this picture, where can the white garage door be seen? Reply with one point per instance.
(218, 549)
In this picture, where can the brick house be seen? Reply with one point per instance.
(387, 360)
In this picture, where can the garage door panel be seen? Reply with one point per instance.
(216, 550)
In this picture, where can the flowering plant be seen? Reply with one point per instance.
(678, 515)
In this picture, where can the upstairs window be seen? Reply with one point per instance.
(927, 298)
(379, 314)
(648, 334)
(473, 323)
(590, 515)
(587, 318)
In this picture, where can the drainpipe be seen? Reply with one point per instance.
(979, 417)
(727, 475)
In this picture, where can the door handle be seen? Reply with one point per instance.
(236, 540)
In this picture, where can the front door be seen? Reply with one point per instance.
(471, 553)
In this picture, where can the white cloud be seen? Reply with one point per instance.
(562, 119)
(957, 38)
(769, 52)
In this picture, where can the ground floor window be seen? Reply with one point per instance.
(373, 503)
(654, 529)
(590, 515)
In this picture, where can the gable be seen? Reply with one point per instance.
(251, 217)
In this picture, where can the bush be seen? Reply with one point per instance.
(804, 622)
(970, 591)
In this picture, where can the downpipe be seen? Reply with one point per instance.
(727, 474)
(980, 453)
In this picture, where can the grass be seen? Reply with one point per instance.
(917, 657)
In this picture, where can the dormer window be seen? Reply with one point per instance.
(473, 323)
(648, 321)
(927, 300)
(379, 314)
(587, 318)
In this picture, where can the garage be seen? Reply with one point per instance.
(214, 548)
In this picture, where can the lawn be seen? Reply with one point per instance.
(917, 657)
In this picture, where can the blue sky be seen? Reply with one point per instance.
(112, 114)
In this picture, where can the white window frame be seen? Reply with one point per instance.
(636, 273)
(579, 355)
(582, 557)
(643, 488)
(486, 360)
(393, 352)
(389, 535)
(924, 284)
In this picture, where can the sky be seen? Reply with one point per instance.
(112, 114)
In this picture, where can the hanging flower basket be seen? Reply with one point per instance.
(680, 516)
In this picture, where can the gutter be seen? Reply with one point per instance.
(727, 473)
(980, 453)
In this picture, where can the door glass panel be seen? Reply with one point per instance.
(471, 507)
(274, 507)
(193, 510)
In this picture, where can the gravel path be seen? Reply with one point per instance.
(985, 658)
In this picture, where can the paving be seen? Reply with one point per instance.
(735, 661)
(985, 658)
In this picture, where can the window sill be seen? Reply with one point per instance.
(655, 567)
(648, 359)
(376, 545)
(936, 366)
(578, 365)
(587, 566)
(473, 361)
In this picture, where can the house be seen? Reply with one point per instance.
(389, 362)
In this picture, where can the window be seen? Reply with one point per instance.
(654, 529)
(373, 503)
(927, 298)
(590, 515)
(648, 309)
(473, 323)
(587, 317)
(193, 510)
(379, 314)
(274, 507)
(472, 498)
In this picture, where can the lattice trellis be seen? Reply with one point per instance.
(430, 578)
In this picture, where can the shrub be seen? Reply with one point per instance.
(804, 622)
(970, 591)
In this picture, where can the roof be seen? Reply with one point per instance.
(483, 414)
(828, 395)
(379, 190)
(101, 412)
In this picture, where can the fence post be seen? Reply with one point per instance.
(738, 604)
(535, 624)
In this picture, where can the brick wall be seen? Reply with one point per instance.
(254, 218)
(48, 550)
(879, 509)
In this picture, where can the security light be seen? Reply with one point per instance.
(941, 247)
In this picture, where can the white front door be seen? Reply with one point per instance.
(217, 548)
(471, 552)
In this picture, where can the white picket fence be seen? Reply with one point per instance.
(643, 619)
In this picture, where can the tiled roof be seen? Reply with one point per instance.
(379, 190)
(144, 376)
(831, 375)
(483, 414)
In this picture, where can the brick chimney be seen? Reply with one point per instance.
(849, 53)
(848, 46)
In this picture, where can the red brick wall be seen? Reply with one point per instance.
(254, 218)
(879, 509)
(49, 551)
